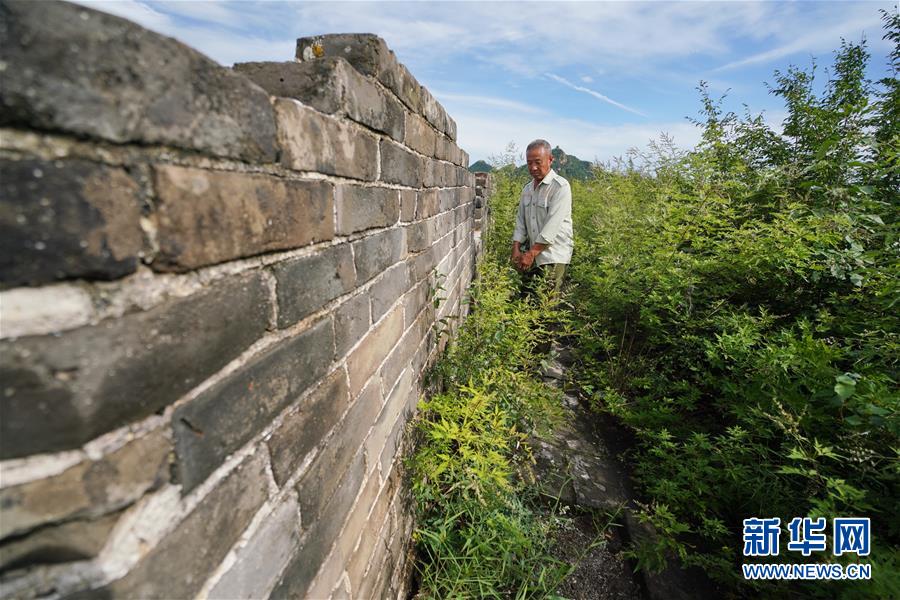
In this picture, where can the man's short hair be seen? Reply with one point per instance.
(538, 144)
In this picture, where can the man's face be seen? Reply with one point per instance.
(539, 160)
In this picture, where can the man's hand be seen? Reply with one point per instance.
(516, 257)
(527, 260)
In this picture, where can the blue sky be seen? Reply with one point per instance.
(595, 78)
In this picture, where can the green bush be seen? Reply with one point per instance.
(737, 307)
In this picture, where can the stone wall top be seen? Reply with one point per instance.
(370, 55)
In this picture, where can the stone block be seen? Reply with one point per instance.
(312, 141)
(62, 391)
(444, 148)
(89, 488)
(258, 564)
(436, 115)
(374, 254)
(419, 135)
(81, 539)
(407, 205)
(399, 165)
(392, 411)
(304, 285)
(402, 353)
(421, 264)
(388, 289)
(429, 204)
(368, 355)
(417, 299)
(65, 219)
(226, 416)
(351, 322)
(328, 467)
(124, 84)
(307, 424)
(177, 567)
(321, 536)
(359, 208)
(367, 52)
(419, 235)
(205, 217)
(333, 86)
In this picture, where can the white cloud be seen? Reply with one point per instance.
(587, 79)
(448, 100)
(485, 135)
(594, 93)
(817, 40)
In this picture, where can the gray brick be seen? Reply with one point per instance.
(419, 135)
(62, 391)
(307, 425)
(351, 322)
(311, 141)
(429, 204)
(259, 563)
(377, 344)
(402, 353)
(399, 165)
(319, 539)
(88, 488)
(205, 217)
(125, 84)
(388, 289)
(330, 85)
(360, 208)
(304, 285)
(419, 235)
(393, 410)
(374, 254)
(177, 566)
(436, 115)
(57, 543)
(230, 413)
(367, 52)
(65, 219)
(407, 205)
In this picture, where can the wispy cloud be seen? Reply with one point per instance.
(818, 40)
(594, 93)
(448, 99)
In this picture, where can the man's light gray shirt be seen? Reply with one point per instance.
(544, 216)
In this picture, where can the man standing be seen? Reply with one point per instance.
(543, 219)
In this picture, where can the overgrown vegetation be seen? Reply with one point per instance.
(477, 534)
(738, 310)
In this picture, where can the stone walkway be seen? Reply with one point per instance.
(577, 468)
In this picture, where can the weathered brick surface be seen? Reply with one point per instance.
(305, 284)
(311, 141)
(399, 165)
(325, 472)
(177, 566)
(351, 322)
(377, 252)
(407, 205)
(63, 391)
(393, 409)
(320, 537)
(392, 284)
(89, 488)
(72, 540)
(359, 208)
(428, 205)
(205, 217)
(225, 417)
(124, 84)
(364, 360)
(401, 355)
(307, 425)
(333, 86)
(63, 219)
(259, 563)
(419, 135)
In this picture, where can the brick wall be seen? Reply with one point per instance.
(217, 307)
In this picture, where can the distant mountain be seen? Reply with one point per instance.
(481, 167)
(567, 165)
